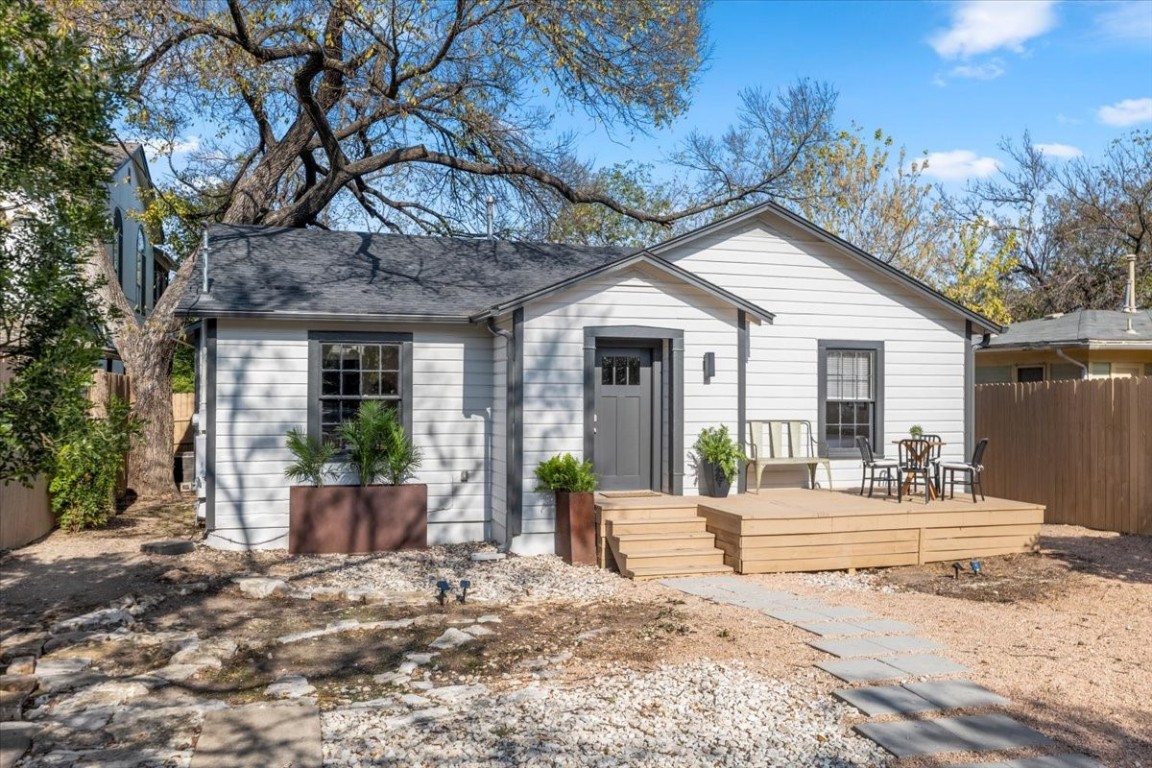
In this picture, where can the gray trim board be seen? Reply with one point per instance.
(822, 347)
(742, 346)
(760, 314)
(320, 317)
(316, 338)
(841, 245)
(514, 428)
(671, 371)
(210, 335)
(969, 390)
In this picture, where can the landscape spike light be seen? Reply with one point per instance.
(443, 587)
(956, 567)
(465, 585)
(977, 569)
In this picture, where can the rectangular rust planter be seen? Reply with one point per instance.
(576, 528)
(351, 518)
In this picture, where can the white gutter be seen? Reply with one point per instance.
(1084, 368)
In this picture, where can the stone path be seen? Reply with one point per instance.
(870, 650)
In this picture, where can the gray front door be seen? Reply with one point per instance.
(622, 453)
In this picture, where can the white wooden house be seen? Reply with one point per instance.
(501, 354)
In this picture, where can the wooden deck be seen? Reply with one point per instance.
(806, 530)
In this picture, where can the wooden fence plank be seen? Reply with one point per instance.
(1082, 448)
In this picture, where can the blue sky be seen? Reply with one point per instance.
(950, 78)
(947, 78)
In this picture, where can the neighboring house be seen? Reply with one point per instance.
(142, 267)
(500, 354)
(1086, 344)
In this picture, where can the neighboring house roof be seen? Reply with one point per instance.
(1082, 328)
(982, 324)
(308, 273)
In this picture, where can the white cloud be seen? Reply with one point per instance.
(981, 26)
(1126, 21)
(1126, 112)
(158, 148)
(959, 164)
(988, 71)
(1063, 151)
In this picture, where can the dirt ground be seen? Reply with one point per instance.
(1063, 633)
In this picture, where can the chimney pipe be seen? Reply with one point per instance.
(491, 214)
(1130, 289)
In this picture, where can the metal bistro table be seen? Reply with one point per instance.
(915, 459)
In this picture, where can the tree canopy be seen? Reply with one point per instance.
(54, 110)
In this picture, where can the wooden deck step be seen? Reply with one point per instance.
(645, 572)
(692, 524)
(680, 510)
(640, 542)
(706, 555)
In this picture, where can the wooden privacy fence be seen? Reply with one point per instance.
(1081, 448)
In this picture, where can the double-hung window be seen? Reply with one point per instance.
(346, 369)
(851, 386)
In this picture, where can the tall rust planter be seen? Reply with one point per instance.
(576, 528)
(347, 519)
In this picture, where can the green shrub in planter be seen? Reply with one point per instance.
(312, 458)
(716, 447)
(567, 474)
(378, 447)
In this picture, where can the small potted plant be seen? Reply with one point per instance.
(916, 431)
(383, 513)
(574, 483)
(717, 460)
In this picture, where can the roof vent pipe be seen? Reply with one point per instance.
(1130, 289)
(491, 214)
(204, 257)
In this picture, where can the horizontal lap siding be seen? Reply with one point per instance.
(554, 365)
(817, 293)
(262, 391)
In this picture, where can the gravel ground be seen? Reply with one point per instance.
(692, 680)
(698, 714)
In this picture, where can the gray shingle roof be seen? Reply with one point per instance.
(273, 270)
(1082, 327)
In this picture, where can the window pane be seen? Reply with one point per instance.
(389, 384)
(633, 370)
(329, 383)
(370, 384)
(350, 360)
(621, 370)
(331, 354)
(348, 409)
(390, 357)
(351, 384)
(606, 371)
(370, 361)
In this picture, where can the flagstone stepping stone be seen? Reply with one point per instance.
(797, 615)
(1049, 761)
(258, 736)
(833, 628)
(862, 670)
(886, 626)
(973, 733)
(15, 739)
(956, 694)
(290, 687)
(919, 697)
(925, 665)
(874, 646)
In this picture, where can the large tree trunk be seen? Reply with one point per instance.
(148, 360)
(147, 349)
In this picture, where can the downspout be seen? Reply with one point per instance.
(1083, 368)
(204, 263)
(509, 429)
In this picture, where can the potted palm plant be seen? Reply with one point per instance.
(574, 484)
(383, 513)
(717, 460)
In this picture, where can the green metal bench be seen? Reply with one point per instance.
(781, 443)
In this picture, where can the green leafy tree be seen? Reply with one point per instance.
(857, 189)
(406, 116)
(54, 104)
(975, 275)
